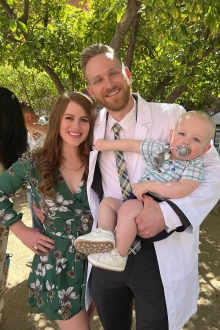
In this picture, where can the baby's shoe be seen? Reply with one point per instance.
(97, 241)
(109, 260)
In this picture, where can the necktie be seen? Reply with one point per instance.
(124, 181)
(121, 167)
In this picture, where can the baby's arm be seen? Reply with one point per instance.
(172, 189)
(122, 145)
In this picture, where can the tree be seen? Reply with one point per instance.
(172, 46)
(46, 35)
(29, 85)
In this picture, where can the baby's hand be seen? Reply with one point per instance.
(139, 189)
(99, 145)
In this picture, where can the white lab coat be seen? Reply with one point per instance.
(178, 254)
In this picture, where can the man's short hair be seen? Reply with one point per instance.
(26, 108)
(93, 50)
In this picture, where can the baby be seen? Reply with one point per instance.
(172, 171)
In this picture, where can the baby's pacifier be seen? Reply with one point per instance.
(183, 150)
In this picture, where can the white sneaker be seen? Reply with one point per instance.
(97, 241)
(109, 260)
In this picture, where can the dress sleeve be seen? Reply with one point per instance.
(10, 181)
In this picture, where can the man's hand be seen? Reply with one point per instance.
(150, 221)
(39, 213)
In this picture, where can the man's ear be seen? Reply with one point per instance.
(27, 116)
(171, 133)
(90, 92)
(206, 149)
(128, 72)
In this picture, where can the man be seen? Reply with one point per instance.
(162, 277)
(36, 126)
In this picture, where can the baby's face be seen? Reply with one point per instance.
(191, 132)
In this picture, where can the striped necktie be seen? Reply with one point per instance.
(124, 181)
(121, 167)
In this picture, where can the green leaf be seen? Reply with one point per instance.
(13, 26)
(5, 21)
(23, 26)
(174, 12)
(184, 30)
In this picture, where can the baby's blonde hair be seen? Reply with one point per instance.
(203, 116)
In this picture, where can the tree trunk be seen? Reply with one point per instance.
(53, 76)
(132, 42)
(124, 25)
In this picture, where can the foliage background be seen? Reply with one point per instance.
(171, 47)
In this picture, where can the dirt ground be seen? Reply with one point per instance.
(18, 316)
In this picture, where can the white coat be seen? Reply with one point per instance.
(178, 254)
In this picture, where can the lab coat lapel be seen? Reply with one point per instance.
(141, 129)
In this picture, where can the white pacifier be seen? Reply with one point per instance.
(182, 150)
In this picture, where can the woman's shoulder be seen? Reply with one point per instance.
(25, 162)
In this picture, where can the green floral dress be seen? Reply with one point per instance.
(56, 281)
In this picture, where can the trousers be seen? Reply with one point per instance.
(114, 293)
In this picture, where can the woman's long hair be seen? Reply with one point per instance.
(13, 133)
(49, 158)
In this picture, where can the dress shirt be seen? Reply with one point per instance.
(107, 163)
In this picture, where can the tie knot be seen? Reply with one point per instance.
(116, 128)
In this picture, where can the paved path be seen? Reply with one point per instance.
(18, 316)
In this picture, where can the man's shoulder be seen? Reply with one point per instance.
(160, 106)
(162, 112)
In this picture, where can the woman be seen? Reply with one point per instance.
(57, 173)
(13, 142)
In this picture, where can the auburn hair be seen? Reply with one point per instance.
(48, 158)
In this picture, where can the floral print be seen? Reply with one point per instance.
(43, 266)
(57, 281)
(4, 217)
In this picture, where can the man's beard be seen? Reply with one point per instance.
(118, 103)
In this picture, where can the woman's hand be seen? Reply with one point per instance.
(33, 238)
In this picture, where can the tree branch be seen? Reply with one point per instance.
(54, 77)
(125, 23)
(132, 41)
(11, 39)
(173, 96)
(8, 9)
(176, 93)
(24, 17)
